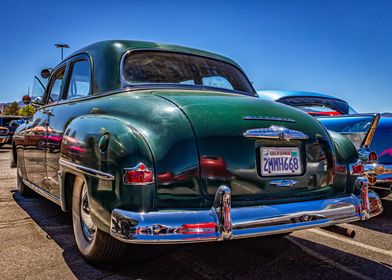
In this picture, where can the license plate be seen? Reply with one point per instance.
(280, 161)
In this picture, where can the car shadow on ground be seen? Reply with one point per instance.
(255, 258)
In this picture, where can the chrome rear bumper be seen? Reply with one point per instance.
(222, 222)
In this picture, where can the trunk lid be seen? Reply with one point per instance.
(227, 157)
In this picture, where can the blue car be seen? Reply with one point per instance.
(8, 126)
(368, 132)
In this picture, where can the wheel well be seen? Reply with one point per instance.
(69, 180)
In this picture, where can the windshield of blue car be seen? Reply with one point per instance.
(319, 105)
(159, 67)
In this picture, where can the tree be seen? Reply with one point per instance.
(27, 111)
(12, 109)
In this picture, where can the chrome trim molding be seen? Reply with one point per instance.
(222, 222)
(42, 192)
(267, 118)
(275, 132)
(86, 170)
(283, 183)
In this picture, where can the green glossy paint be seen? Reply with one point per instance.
(191, 138)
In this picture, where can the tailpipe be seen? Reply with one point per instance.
(347, 232)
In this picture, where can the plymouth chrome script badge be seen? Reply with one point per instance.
(276, 132)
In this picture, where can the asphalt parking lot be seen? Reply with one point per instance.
(36, 242)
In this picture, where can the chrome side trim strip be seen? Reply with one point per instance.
(42, 192)
(275, 132)
(86, 170)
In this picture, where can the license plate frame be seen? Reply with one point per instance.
(273, 161)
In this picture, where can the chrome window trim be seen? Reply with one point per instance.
(86, 170)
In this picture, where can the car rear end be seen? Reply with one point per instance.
(258, 174)
(370, 134)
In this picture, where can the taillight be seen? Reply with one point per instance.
(372, 157)
(358, 169)
(138, 175)
(200, 228)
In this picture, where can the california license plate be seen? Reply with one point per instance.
(280, 161)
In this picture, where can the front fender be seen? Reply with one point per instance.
(84, 145)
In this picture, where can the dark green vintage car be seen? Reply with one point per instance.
(157, 144)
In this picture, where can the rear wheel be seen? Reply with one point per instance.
(95, 245)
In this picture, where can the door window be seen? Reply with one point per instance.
(56, 86)
(79, 84)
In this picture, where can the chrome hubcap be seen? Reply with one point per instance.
(88, 227)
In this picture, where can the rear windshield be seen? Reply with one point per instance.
(157, 67)
(319, 105)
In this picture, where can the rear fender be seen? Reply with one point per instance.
(105, 146)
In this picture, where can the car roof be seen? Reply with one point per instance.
(122, 46)
(279, 94)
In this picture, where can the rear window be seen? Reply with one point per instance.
(157, 67)
(319, 105)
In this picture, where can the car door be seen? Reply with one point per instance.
(76, 87)
(36, 133)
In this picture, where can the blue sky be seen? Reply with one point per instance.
(343, 48)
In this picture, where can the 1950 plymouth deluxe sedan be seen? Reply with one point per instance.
(157, 144)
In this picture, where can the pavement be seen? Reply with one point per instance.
(36, 242)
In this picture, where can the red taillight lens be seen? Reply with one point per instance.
(372, 156)
(358, 169)
(138, 175)
(200, 228)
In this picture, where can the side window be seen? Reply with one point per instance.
(56, 86)
(79, 84)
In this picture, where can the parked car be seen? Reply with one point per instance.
(11, 123)
(368, 132)
(162, 144)
(4, 135)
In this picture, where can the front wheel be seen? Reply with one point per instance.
(95, 245)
